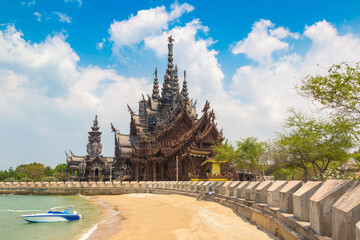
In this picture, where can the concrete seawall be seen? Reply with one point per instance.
(336, 200)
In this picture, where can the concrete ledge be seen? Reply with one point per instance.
(357, 231)
(261, 191)
(250, 191)
(301, 197)
(197, 187)
(92, 184)
(286, 198)
(231, 188)
(273, 193)
(204, 187)
(211, 187)
(188, 186)
(321, 205)
(345, 214)
(240, 190)
(224, 189)
(84, 184)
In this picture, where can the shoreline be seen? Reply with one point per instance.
(109, 223)
(163, 217)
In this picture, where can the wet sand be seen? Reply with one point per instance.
(165, 217)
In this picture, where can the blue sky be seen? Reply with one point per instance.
(63, 61)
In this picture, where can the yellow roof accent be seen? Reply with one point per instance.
(212, 161)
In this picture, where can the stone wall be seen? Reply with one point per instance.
(289, 210)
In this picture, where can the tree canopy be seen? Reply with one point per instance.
(339, 89)
(246, 154)
(312, 145)
(34, 172)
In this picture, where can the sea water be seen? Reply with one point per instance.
(13, 227)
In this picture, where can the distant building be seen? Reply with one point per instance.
(94, 166)
(167, 140)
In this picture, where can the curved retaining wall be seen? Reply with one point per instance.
(289, 210)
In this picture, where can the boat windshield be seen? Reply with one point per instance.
(66, 211)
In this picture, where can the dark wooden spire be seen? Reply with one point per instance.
(184, 91)
(155, 93)
(167, 91)
(176, 81)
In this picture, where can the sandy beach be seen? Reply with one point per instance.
(165, 217)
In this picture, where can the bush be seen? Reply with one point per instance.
(25, 179)
(10, 179)
(49, 179)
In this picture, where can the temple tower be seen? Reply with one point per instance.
(167, 90)
(94, 147)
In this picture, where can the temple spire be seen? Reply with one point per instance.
(176, 81)
(167, 92)
(155, 94)
(94, 147)
(184, 91)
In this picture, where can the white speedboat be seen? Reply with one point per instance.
(52, 216)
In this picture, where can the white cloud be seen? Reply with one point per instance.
(178, 10)
(75, 1)
(29, 3)
(38, 16)
(263, 40)
(145, 23)
(44, 91)
(63, 17)
(100, 45)
(268, 90)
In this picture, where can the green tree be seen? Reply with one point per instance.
(251, 156)
(224, 152)
(247, 154)
(48, 171)
(34, 170)
(312, 145)
(339, 89)
(60, 171)
(61, 168)
(49, 179)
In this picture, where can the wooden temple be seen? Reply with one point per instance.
(167, 140)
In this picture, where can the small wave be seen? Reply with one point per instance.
(79, 195)
(21, 210)
(88, 233)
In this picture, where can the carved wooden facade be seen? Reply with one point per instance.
(167, 140)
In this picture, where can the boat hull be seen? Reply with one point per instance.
(47, 218)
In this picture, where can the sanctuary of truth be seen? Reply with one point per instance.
(167, 140)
